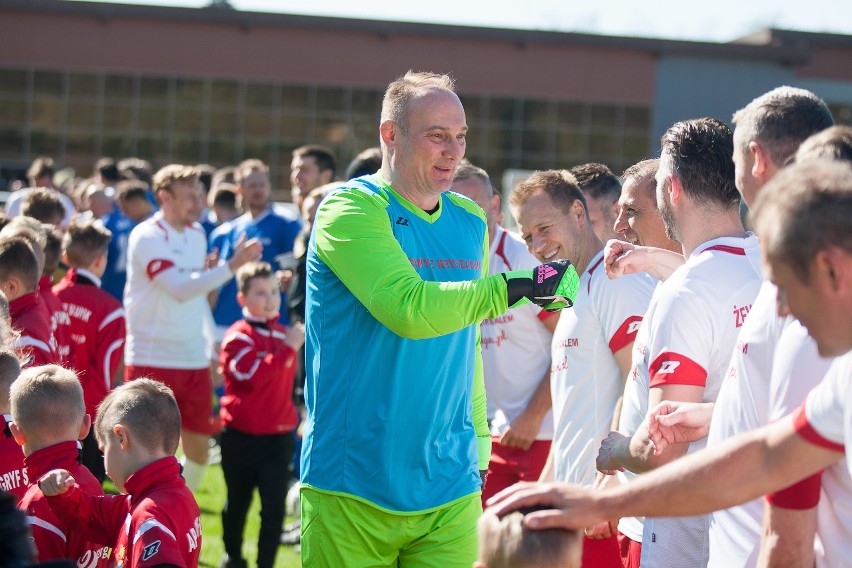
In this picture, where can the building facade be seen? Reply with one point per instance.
(83, 80)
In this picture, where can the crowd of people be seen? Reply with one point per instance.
(617, 384)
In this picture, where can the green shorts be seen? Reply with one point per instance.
(341, 531)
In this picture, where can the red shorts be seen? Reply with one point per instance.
(193, 390)
(631, 551)
(511, 465)
(601, 553)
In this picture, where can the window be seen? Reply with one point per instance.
(121, 87)
(155, 90)
(503, 111)
(295, 98)
(225, 94)
(189, 92)
(261, 95)
(118, 116)
(13, 82)
(48, 83)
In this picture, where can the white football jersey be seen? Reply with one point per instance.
(692, 327)
(585, 380)
(165, 296)
(515, 346)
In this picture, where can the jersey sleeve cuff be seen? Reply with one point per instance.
(799, 496)
(483, 449)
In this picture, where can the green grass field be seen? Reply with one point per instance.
(210, 498)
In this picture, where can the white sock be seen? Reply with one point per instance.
(193, 473)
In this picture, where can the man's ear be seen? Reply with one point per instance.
(326, 176)
(675, 189)
(241, 299)
(835, 266)
(762, 166)
(495, 204)
(578, 211)
(85, 426)
(388, 132)
(18, 434)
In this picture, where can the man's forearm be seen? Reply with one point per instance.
(738, 470)
(788, 536)
(185, 287)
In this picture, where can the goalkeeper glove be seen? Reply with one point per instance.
(552, 286)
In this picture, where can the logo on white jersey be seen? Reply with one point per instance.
(668, 367)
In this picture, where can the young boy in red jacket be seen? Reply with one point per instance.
(19, 274)
(258, 360)
(156, 520)
(96, 323)
(13, 474)
(48, 418)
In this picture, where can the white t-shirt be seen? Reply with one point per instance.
(585, 380)
(165, 296)
(825, 419)
(742, 405)
(515, 346)
(782, 365)
(798, 369)
(692, 326)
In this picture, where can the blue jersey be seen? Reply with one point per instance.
(274, 230)
(392, 356)
(115, 274)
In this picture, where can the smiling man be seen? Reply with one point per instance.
(592, 343)
(639, 221)
(396, 435)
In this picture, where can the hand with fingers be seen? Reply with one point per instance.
(607, 461)
(573, 507)
(247, 250)
(678, 422)
(56, 482)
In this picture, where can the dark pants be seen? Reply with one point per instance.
(250, 461)
(92, 457)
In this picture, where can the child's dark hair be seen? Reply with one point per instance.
(250, 271)
(18, 259)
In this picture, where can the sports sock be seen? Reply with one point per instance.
(193, 473)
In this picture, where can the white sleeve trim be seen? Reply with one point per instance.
(27, 341)
(118, 313)
(35, 521)
(107, 375)
(243, 376)
(152, 524)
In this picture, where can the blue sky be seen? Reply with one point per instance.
(715, 20)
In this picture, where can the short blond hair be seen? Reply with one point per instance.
(149, 411)
(399, 94)
(504, 542)
(174, 173)
(560, 185)
(246, 168)
(48, 401)
(85, 240)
